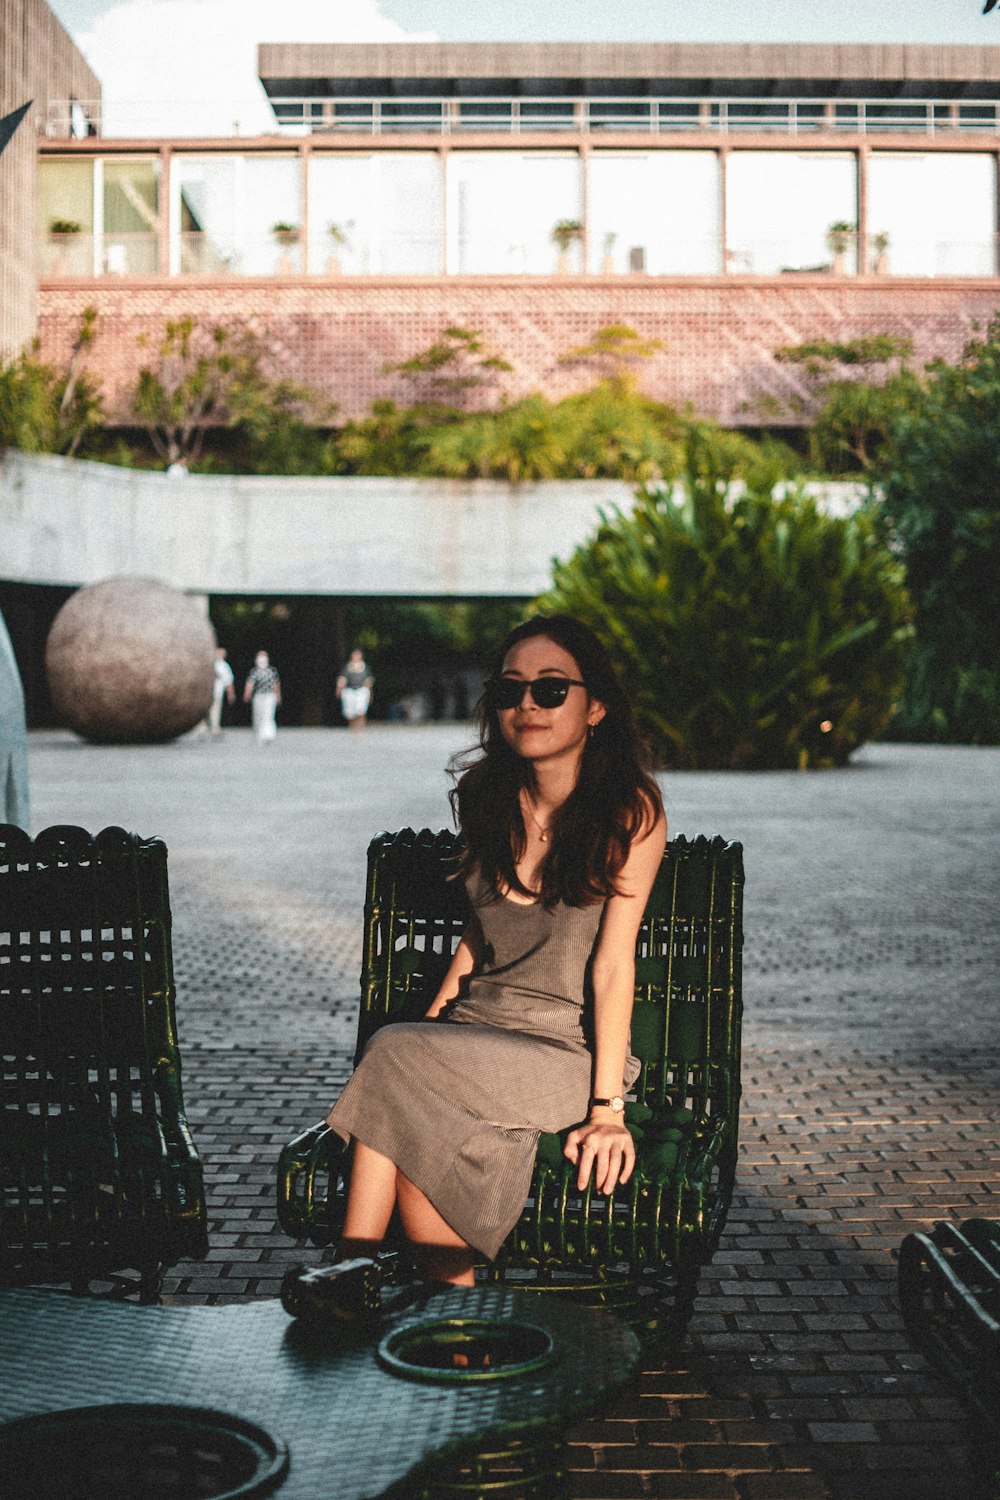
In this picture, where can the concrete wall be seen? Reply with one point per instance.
(64, 522)
(38, 61)
(336, 336)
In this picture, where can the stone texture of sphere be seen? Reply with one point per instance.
(130, 661)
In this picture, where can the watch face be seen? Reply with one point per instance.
(618, 1104)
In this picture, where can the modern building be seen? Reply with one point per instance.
(723, 200)
(40, 67)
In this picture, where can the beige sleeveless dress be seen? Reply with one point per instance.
(458, 1103)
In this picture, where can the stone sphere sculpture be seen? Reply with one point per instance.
(130, 661)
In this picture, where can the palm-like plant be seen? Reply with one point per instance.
(751, 632)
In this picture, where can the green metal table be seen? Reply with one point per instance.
(353, 1416)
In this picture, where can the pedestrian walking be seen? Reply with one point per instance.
(354, 689)
(263, 693)
(563, 832)
(222, 690)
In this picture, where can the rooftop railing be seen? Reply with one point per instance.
(602, 116)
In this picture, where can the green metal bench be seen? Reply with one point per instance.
(641, 1249)
(949, 1288)
(99, 1172)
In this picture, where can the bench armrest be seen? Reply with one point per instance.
(308, 1169)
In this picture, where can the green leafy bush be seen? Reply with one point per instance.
(751, 633)
(48, 410)
(939, 482)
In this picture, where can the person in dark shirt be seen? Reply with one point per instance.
(354, 689)
(263, 693)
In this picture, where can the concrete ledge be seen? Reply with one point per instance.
(67, 522)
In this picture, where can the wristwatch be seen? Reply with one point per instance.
(616, 1103)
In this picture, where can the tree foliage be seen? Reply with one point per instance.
(454, 365)
(751, 632)
(939, 487)
(44, 409)
(201, 379)
(616, 352)
(854, 392)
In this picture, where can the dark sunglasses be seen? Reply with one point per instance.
(546, 692)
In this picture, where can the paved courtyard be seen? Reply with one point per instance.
(871, 1075)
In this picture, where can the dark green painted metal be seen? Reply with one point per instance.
(949, 1288)
(641, 1249)
(99, 1171)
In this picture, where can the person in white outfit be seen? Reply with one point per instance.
(222, 688)
(354, 689)
(263, 693)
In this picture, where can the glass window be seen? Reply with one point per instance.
(377, 214)
(655, 211)
(130, 193)
(236, 213)
(790, 211)
(66, 217)
(936, 213)
(503, 207)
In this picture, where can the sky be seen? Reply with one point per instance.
(188, 66)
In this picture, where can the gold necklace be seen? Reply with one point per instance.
(543, 833)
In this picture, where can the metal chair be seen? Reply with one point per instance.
(640, 1249)
(99, 1171)
(949, 1289)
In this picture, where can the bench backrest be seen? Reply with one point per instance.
(686, 1021)
(86, 981)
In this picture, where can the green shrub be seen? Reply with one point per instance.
(939, 482)
(48, 410)
(750, 632)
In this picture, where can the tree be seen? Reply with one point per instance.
(451, 368)
(46, 410)
(938, 497)
(616, 351)
(750, 632)
(850, 416)
(203, 379)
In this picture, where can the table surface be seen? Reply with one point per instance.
(354, 1429)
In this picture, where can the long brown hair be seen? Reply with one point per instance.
(614, 799)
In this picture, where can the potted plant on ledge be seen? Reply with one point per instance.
(62, 233)
(287, 236)
(339, 237)
(838, 238)
(566, 232)
(880, 253)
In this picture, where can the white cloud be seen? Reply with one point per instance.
(189, 67)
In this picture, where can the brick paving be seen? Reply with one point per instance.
(872, 1082)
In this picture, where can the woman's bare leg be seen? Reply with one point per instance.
(371, 1198)
(440, 1253)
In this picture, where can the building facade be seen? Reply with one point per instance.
(721, 200)
(40, 64)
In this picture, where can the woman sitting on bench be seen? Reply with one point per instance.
(563, 832)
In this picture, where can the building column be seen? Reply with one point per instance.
(861, 190)
(583, 158)
(163, 249)
(305, 157)
(443, 151)
(723, 154)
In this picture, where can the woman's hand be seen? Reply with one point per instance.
(605, 1147)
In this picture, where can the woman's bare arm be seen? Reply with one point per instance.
(603, 1145)
(467, 958)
